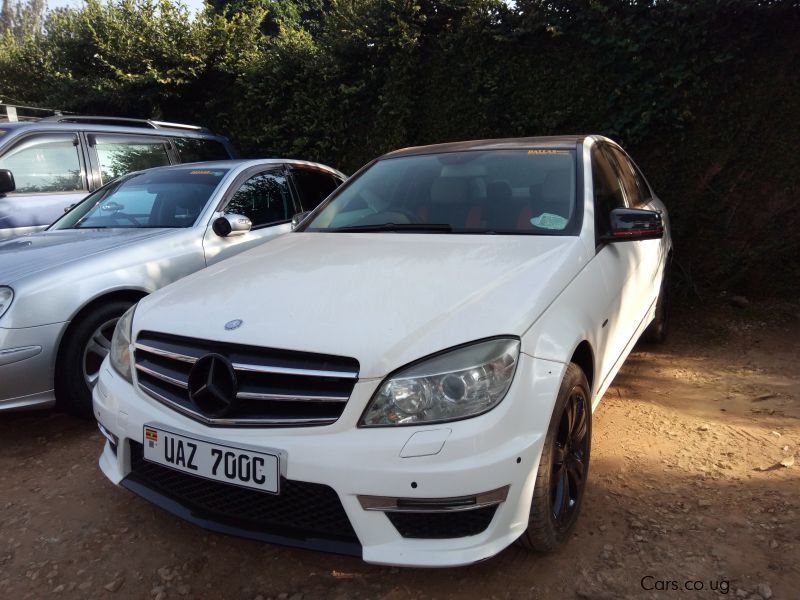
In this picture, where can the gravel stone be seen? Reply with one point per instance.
(764, 590)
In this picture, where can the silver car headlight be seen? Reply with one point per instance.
(6, 296)
(120, 354)
(453, 385)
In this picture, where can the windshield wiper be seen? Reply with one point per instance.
(397, 227)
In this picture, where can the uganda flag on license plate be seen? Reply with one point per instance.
(151, 435)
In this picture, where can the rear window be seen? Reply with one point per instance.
(525, 191)
(119, 155)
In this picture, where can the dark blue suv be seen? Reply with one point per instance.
(55, 161)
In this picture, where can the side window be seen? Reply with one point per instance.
(314, 186)
(264, 198)
(633, 192)
(119, 155)
(608, 193)
(196, 150)
(45, 163)
(644, 189)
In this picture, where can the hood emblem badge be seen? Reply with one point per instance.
(235, 324)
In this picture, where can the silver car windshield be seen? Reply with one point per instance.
(161, 198)
(508, 191)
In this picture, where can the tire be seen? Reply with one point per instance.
(564, 466)
(83, 349)
(656, 332)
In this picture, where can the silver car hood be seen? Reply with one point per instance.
(24, 256)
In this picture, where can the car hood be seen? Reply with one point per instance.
(384, 299)
(24, 256)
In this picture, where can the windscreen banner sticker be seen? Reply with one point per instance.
(206, 172)
(549, 221)
(545, 151)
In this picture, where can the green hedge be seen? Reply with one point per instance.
(703, 94)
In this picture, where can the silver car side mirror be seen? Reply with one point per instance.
(231, 224)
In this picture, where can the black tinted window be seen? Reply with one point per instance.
(194, 150)
(46, 163)
(627, 173)
(264, 198)
(516, 191)
(314, 186)
(644, 190)
(607, 189)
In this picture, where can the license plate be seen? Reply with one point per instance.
(219, 462)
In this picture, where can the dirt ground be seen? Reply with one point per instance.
(687, 498)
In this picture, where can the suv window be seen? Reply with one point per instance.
(263, 198)
(194, 150)
(119, 155)
(45, 163)
(314, 186)
(608, 193)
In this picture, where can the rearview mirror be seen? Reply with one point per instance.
(230, 225)
(632, 224)
(6, 181)
(298, 218)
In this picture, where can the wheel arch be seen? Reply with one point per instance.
(583, 356)
(131, 294)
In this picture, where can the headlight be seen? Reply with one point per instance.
(121, 345)
(454, 385)
(6, 296)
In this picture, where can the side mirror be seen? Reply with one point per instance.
(298, 218)
(231, 225)
(632, 224)
(6, 182)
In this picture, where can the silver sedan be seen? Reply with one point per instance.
(62, 290)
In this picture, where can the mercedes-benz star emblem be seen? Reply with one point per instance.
(235, 324)
(213, 385)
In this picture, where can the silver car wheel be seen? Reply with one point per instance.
(96, 351)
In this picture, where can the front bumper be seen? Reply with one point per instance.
(497, 450)
(27, 362)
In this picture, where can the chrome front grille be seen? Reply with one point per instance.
(275, 387)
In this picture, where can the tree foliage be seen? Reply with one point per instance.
(703, 94)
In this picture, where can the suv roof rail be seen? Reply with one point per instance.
(123, 121)
(12, 113)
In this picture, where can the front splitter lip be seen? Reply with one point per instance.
(231, 526)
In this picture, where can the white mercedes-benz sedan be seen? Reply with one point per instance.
(408, 376)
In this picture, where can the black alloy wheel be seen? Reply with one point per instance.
(563, 467)
(570, 459)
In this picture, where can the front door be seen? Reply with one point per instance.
(262, 196)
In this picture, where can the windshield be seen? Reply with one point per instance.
(525, 191)
(160, 198)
